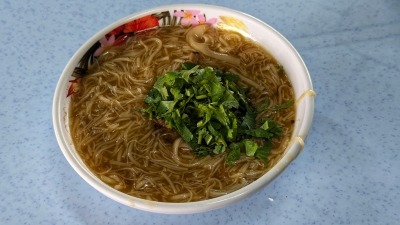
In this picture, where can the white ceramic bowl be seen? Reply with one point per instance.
(260, 32)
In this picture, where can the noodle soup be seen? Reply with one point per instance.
(142, 158)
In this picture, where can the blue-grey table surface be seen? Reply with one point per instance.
(348, 173)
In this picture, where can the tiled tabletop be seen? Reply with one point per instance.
(348, 173)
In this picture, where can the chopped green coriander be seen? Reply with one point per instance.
(281, 70)
(211, 113)
(285, 105)
(263, 105)
(262, 152)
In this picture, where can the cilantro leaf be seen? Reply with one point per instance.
(170, 78)
(265, 125)
(263, 105)
(281, 70)
(234, 154)
(216, 91)
(250, 146)
(213, 131)
(233, 130)
(165, 106)
(181, 127)
(206, 117)
(186, 73)
(177, 94)
(259, 133)
(249, 120)
(228, 100)
(220, 145)
(220, 114)
(273, 128)
(232, 77)
(159, 85)
(153, 97)
(188, 65)
(263, 151)
(285, 105)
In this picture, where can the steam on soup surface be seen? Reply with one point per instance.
(142, 158)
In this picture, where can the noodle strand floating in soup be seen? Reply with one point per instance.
(143, 158)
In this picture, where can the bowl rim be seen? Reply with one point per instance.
(175, 208)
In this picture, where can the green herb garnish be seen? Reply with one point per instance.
(285, 105)
(281, 70)
(210, 112)
(263, 105)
